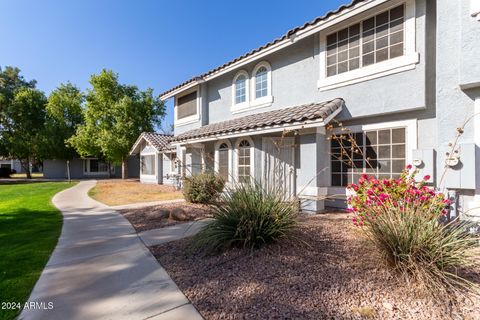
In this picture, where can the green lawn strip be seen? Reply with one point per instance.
(29, 229)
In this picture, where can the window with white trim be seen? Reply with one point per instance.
(381, 153)
(244, 161)
(95, 166)
(240, 89)
(223, 167)
(187, 105)
(261, 82)
(371, 41)
(147, 164)
(173, 162)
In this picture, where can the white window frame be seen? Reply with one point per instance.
(86, 168)
(268, 99)
(411, 133)
(252, 157)
(155, 164)
(190, 119)
(230, 158)
(399, 64)
(238, 107)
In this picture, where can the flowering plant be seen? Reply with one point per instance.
(374, 196)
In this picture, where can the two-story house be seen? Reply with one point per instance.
(401, 74)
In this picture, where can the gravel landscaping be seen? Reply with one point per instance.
(327, 273)
(155, 217)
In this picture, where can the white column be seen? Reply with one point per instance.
(474, 206)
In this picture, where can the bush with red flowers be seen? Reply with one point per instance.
(372, 196)
(400, 217)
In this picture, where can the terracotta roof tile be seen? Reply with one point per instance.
(311, 111)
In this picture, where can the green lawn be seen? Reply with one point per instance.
(29, 229)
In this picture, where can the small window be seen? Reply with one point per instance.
(187, 105)
(371, 41)
(173, 162)
(223, 169)
(240, 89)
(95, 166)
(244, 161)
(261, 82)
(380, 153)
(147, 164)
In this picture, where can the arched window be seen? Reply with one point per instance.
(241, 89)
(261, 82)
(244, 161)
(223, 162)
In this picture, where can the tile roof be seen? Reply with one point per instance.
(287, 35)
(158, 141)
(306, 112)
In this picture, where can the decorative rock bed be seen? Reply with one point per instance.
(328, 273)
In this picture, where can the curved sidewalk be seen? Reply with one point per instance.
(100, 269)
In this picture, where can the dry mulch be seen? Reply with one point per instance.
(153, 217)
(335, 276)
(115, 192)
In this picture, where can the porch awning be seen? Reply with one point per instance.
(160, 142)
(307, 115)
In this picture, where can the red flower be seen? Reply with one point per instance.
(409, 167)
(427, 177)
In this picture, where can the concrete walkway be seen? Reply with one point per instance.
(172, 233)
(100, 269)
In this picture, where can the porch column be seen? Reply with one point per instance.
(159, 168)
(474, 206)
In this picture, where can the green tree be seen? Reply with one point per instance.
(115, 115)
(25, 120)
(64, 115)
(10, 82)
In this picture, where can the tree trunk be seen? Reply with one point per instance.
(125, 168)
(26, 167)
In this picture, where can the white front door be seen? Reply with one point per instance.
(278, 164)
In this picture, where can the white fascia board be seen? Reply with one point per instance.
(181, 89)
(265, 130)
(339, 17)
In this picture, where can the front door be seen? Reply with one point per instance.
(278, 164)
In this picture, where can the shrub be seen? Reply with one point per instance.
(5, 172)
(401, 219)
(202, 188)
(247, 216)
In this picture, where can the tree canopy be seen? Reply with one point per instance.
(115, 115)
(64, 115)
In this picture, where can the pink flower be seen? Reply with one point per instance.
(426, 178)
(409, 167)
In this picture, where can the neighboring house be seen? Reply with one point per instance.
(401, 74)
(157, 158)
(87, 168)
(12, 164)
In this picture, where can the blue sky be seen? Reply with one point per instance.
(156, 44)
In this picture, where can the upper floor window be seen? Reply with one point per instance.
(370, 41)
(261, 82)
(240, 88)
(187, 105)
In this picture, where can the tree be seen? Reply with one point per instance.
(25, 119)
(115, 115)
(64, 115)
(10, 82)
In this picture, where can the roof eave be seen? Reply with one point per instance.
(263, 130)
(291, 39)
